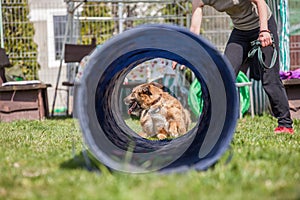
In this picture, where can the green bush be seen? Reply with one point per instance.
(18, 37)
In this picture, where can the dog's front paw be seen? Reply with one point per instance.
(142, 134)
(161, 136)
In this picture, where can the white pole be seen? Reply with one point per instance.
(120, 13)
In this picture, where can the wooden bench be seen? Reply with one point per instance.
(28, 102)
(21, 100)
(292, 87)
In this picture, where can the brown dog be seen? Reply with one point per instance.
(161, 114)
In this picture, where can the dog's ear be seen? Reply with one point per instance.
(157, 85)
(146, 90)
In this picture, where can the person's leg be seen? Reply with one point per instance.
(238, 46)
(272, 83)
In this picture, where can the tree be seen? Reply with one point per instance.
(179, 9)
(100, 29)
(18, 37)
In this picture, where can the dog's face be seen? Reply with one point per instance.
(142, 97)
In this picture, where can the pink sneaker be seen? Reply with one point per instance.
(282, 129)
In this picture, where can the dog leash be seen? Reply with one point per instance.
(256, 47)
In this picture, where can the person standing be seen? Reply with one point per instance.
(252, 20)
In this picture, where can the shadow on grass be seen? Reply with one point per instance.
(85, 161)
(62, 117)
(81, 161)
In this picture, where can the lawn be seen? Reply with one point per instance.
(43, 160)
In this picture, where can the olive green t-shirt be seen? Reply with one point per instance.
(243, 13)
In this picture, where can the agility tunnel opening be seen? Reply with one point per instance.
(98, 110)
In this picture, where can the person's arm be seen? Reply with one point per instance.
(196, 16)
(264, 35)
(195, 22)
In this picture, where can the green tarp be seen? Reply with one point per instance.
(195, 100)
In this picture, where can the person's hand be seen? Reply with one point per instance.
(265, 38)
(174, 65)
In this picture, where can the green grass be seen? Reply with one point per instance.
(37, 162)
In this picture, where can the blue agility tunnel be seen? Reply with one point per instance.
(108, 137)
